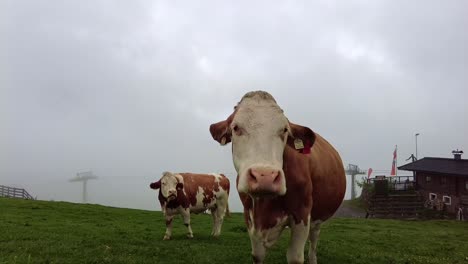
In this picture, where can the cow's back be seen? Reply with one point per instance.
(205, 190)
(328, 179)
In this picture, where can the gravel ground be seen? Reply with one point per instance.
(348, 211)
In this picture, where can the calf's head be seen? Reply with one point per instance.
(260, 132)
(169, 184)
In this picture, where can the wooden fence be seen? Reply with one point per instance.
(12, 192)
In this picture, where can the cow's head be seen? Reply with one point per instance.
(259, 132)
(169, 183)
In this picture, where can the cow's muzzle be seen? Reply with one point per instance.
(171, 197)
(265, 181)
(172, 194)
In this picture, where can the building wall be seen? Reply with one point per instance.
(451, 186)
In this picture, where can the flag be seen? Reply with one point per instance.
(369, 172)
(394, 163)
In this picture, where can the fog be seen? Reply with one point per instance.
(128, 89)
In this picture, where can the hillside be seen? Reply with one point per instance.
(58, 232)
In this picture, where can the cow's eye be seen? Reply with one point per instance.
(237, 130)
(282, 133)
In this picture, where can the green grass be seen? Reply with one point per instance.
(58, 232)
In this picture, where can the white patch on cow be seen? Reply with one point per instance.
(261, 239)
(261, 139)
(299, 235)
(200, 206)
(217, 177)
(252, 223)
(313, 237)
(269, 236)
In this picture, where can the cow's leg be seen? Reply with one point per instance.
(313, 237)
(213, 215)
(258, 248)
(186, 216)
(299, 235)
(219, 218)
(168, 234)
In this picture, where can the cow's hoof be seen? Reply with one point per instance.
(166, 237)
(190, 235)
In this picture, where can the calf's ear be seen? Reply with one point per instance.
(301, 138)
(155, 185)
(221, 132)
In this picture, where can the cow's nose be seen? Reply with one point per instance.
(172, 192)
(259, 173)
(264, 181)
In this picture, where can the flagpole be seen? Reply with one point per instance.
(396, 160)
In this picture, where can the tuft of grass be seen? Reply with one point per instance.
(59, 232)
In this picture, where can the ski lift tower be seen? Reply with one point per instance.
(353, 170)
(84, 177)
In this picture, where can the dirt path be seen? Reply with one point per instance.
(350, 211)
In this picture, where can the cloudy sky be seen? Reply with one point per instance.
(128, 89)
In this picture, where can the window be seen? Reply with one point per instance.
(447, 200)
(443, 180)
(428, 178)
(432, 196)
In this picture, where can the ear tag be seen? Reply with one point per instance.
(223, 141)
(298, 144)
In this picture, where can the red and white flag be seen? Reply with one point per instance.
(394, 163)
(369, 172)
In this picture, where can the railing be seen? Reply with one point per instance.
(13, 192)
(396, 183)
(464, 199)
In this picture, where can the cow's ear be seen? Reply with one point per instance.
(221, 132)
(179, 186)
(180, 181)
(301, 138)
(155, 185)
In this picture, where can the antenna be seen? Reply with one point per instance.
(353, 170)
(84, 177)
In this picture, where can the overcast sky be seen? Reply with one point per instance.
(128, 89)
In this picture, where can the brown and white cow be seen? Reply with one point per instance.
(287, 175)
(185, 193)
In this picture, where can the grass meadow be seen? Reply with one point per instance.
(60, 232)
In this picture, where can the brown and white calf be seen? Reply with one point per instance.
(287, 175)
(185, 193)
